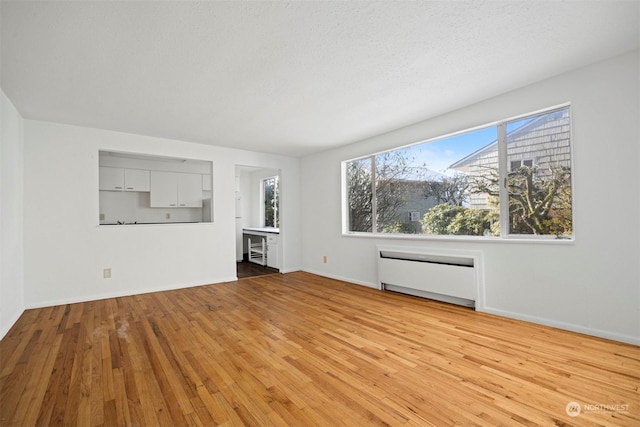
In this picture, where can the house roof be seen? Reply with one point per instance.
(512, 136)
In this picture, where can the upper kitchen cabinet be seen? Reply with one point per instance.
(111, 179)
(136, 180)
(172, 189)
(121, 179)
(189, 190)
(164, 189)
(206, 182)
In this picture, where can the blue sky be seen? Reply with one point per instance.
(438, 155)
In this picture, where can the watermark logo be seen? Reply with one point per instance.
(573, 409)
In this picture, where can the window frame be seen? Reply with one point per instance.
(263, 213)
(503, 170)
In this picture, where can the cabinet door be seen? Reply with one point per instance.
(272, 251)
(206, 182)
(189, 190)
(164, 189)
(111, 179)
(136, 180)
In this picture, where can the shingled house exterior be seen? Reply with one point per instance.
(542, 142)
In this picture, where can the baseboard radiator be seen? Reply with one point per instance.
(442, 277)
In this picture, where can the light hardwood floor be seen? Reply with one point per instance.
(301, 350)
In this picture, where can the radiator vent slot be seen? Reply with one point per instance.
(448, 277)
(428, 258)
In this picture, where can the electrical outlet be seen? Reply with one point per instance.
(324, 259)
(106, 273)
(167, 216)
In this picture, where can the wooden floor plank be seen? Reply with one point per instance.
(298, 349)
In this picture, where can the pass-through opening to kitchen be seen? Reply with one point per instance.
(138, 189)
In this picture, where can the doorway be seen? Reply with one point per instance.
(257, 218)
(246, 269)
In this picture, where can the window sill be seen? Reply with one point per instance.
(467, 239)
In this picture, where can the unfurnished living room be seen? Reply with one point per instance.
(320, 213)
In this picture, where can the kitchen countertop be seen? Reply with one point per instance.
(151, 223)
(271, 230)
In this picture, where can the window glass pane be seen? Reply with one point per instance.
(467, 192)
(271, 195)
(399, 191)
(441, 182)
(359, 195)
(540, 187)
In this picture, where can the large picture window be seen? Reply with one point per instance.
(512, 178)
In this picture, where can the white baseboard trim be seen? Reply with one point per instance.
(6, 328)
(562, 325)
(341, 278)
(74, 300)
(290, 270)
(513, 315)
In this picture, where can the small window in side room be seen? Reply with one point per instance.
(270, 197)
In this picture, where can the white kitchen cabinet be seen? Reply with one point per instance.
(175, 190)
(189, 190)
(121, 179)
(206, 182)
(272, 250)
(164, 190)
(136, 180)
(111, 179)
(262, 245)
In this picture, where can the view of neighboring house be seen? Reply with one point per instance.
(416, 204)
(542, 142)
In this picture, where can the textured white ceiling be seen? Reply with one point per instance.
(289, 77)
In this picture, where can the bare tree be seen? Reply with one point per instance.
(360, 195)
(453, 190)
(392, 173)
(539, 200)
(392, 186)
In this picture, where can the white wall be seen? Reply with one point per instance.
(65, 250)
(11, 222)
(590, 286)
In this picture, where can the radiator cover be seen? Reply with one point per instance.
(448, 277)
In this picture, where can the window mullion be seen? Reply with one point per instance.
(503, 178)
(374, 203)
